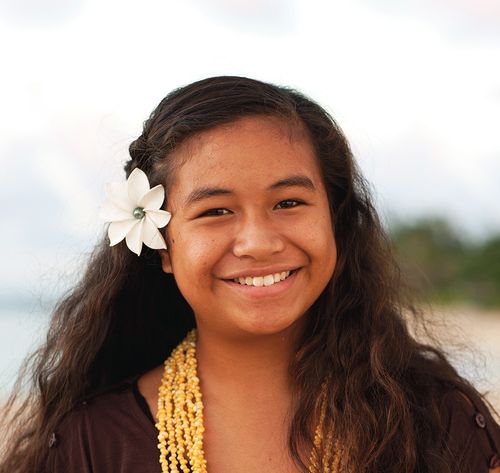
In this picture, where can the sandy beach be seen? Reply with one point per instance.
(471, 339)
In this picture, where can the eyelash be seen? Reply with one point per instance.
(209, 213)
(297, 202)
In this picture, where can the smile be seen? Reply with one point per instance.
(267, 280)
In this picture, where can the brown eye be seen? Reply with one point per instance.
(289, 203)
(214, 212)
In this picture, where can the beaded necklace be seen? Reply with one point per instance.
(180, 418)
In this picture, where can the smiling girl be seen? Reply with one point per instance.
(245, 315)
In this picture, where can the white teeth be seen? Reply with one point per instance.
(268, 280)
(259, 281)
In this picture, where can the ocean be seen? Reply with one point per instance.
(23, 329)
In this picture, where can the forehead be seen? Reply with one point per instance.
(249, 153)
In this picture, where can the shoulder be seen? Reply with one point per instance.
(108, 407)
(472, 434)
(103, 430)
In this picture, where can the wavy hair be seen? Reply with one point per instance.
(125, 315)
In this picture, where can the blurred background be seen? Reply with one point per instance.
(415, 85)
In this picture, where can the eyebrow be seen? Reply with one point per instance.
(294, 181)
(206, 192)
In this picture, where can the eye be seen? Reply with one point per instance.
(288, 204)
(214, 212)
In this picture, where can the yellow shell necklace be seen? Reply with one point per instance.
(180, 418)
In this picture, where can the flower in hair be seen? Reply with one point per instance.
(133, 210)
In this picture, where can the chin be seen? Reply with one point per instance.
(269, 326)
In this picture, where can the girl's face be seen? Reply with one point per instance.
(248, 203)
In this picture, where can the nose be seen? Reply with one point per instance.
(257, 238)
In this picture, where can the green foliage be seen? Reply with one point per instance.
(446, 268)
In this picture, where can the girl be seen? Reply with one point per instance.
(245, 316)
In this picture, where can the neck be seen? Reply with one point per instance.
(248, 369)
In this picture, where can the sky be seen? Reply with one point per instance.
(415, 85)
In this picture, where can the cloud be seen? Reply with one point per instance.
(44, 13)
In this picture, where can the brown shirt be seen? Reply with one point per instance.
(115, 432)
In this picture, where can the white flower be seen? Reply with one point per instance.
(133, 211)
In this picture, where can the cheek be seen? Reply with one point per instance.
(322, 244)
(193, 253)
(318, 233)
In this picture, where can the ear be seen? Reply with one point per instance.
(165, 261)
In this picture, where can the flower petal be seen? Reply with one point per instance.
(118, 230)
(159, 217)
(151, 236)
(118, 194)
(153, 199)
(137, 185)
(110, 212)
(134, 237)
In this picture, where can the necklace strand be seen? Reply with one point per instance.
(180, 418)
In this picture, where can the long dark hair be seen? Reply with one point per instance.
(125, 315)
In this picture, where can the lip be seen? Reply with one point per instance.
(254, 292)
